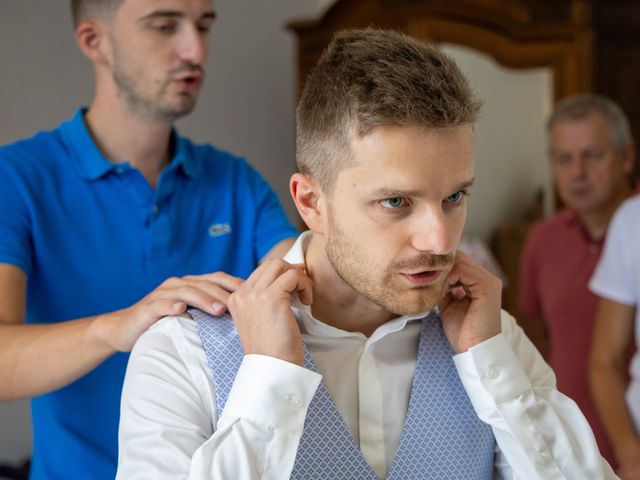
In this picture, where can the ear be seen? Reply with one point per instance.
(92, 40)
(309, 200)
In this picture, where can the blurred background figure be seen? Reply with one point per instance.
(592, 155)
(616, 281)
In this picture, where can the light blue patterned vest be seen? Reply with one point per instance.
(442, 437)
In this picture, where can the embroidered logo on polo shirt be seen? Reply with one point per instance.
(218, 229)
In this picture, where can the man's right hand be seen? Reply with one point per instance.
(208, 293)
(36, 359)
(261, 310)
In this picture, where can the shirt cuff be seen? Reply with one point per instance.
(491, 373)
(271, 391)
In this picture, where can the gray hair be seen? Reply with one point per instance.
(578, 107)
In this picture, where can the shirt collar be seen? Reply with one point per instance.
(315, 327)
(92, 164)
(570, 216)
(573, 220)
(82, 149)
(183, 156)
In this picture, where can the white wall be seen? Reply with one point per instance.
(247, 105)
(511, 157)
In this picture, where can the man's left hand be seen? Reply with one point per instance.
(470, 308)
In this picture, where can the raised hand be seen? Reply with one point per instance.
(470, 308)
(261, 309)
(208, 292)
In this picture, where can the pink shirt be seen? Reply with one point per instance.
(557, 262)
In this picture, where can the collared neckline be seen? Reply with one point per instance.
(83, 149)
(92, 164)
(182, 156)
(573, 220)
(312, 326)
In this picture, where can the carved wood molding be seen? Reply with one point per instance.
(516, 33)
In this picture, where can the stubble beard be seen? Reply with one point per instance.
(148, 107)
(350, 264)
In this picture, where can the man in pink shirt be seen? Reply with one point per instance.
(592, 154)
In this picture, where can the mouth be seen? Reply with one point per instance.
(580, 192)
(580, 186)
(422, 279)
(190, 82)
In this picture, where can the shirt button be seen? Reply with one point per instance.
(493, 372)
(119, 170)
(155, 209)
(293, 400)
(542, 459)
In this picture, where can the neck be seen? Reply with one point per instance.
(597, 221)
(334, 301)
(124, 137)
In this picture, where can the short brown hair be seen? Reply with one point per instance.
(83, 9)
(371, 78)
(578, 107)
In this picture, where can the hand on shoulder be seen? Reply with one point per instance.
(209, 293)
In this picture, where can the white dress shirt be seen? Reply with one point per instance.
(169, 427)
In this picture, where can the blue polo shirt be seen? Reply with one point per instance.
(94, 237)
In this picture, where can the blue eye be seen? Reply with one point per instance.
(456, 197)
(393, 203)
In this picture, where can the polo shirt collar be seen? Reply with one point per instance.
(182, 156)
(573, 220)
(570, 216)
(92, 164)
(82, 149)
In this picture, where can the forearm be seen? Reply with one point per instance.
(541, 433)
(608, 386)
(611, 341)
(37, 359)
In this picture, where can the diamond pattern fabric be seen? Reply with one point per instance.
(442, 437)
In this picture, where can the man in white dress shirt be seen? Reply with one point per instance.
(385, 150)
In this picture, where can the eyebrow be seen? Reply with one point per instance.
(210, 15)
(467, 184)
(390, 193)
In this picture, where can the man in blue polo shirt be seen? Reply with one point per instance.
(111, 222)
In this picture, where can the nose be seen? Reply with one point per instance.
(192, 46)
(577, 167)
(435, 232)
